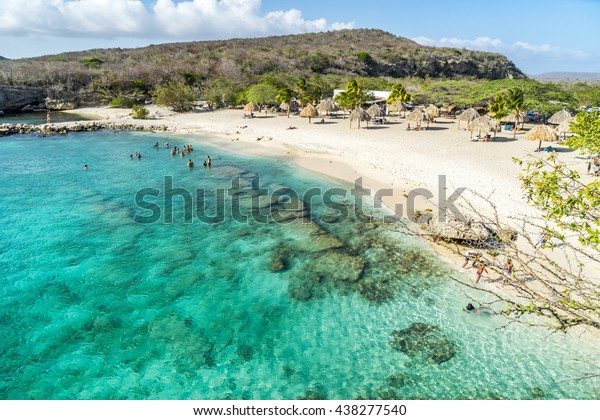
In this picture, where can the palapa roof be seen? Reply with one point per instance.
(468, 115)
(449, 108)
(251, 107)
(433, 110)
(541, 132)
(375, 111)
(326, 106)
(483, 124)
(559, 117)
(359, 114)
(309, 111)
(397, 107)
(419, 114)
(514, 117)
(565, 126)
(285, 106)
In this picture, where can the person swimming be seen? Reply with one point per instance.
(85, 167)
(190, 164)
(156, 145)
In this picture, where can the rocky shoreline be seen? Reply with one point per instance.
(53, 129)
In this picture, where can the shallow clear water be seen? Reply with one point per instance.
(40, 118)
(95, 306)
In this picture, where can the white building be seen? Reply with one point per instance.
(380, 95)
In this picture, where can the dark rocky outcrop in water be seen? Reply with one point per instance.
(424, 341)
(14, 100)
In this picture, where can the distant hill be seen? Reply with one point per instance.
(356, 52)
(3, 58)
(221, 71)
(567, 76)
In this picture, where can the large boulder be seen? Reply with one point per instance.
(14, 99)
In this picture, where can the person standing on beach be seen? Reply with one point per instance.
(471, 255)
(508, 269)
(480, 271)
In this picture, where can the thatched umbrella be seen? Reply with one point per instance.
(433, 110)
(397, 107)
(418, 115)
(565, 127)
(448, 109)
(326, 106)
(309, 111)
(375, 111)
(541, 133)
(467, 116)
(251, 107)
(516, 118)
(559, 117)
(284, 106)
(360, 115)
(484, 124)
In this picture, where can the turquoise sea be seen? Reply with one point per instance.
(96, 306)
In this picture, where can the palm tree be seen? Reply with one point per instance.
(285, 95)
(344, 101)
(355, 93)
(398, 94)
(498, 107)
(515, 104)
(303, 90)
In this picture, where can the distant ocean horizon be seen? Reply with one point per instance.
(96, 306)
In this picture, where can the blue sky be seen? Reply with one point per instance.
(539, 36)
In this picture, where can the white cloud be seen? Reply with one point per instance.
(198, 19)
(518, 49)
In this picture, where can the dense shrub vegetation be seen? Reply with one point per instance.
(121, 103)
(139, 112)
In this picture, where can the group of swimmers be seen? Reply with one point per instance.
(138, 155)
(188, 148)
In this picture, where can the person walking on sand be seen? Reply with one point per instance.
(542, 242)
(471, 256)
(480, 272)
(508, 268)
